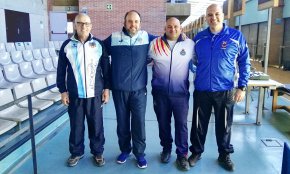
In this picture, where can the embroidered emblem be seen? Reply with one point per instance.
(74, 45)
(182, 52)
(139, 40)
(224, 45)
(92, 44)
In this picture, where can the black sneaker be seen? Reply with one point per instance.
(73, 160)
(192, 160)
(165, 157)
(99, 160)
(182, 163)
(226, 162)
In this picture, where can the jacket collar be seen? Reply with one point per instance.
(76, 38)
(225, 30)
(164, 38)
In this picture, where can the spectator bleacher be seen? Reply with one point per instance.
(25, 71)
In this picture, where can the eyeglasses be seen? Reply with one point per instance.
(86, 24)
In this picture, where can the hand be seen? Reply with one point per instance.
(106, 96)
(65, 98)
(239, 95)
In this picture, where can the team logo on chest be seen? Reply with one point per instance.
(224, 45)
(182, 52)
(92, 44)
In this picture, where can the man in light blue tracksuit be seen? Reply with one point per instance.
(217, 49)
(171, 55)
(128, 49)
(83, 79)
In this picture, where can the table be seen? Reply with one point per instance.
(261, 84)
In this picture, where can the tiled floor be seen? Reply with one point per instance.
(252, 155)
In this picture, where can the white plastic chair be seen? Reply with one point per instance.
(19, 46)
(37, 54)
(48, 65)
(39, 84)
(10, 46)
(14, 112)
(28, 45)
(16, 56)
(45, 53)
(12, 74)
(27, 55)
(5, 58)
(24, 90)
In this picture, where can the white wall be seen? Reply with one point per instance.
(2, 26)
(37, 10)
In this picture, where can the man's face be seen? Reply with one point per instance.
(172, 29)
(132, 23)
(214, 16)
(83, 25)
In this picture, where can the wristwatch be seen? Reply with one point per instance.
(243, 88)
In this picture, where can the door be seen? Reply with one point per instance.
(17, 26)
(58, 26)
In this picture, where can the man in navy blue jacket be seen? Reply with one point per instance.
(83, 76)
(218, 49)
(128, 49)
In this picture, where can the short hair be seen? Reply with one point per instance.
(131, 12)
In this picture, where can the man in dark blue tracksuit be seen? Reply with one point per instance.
(218, 49)
(83, 76)
(128, 49)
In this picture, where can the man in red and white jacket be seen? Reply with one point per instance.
(171, 55)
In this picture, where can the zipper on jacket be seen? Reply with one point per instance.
(211, 49)
(169, 78)
(131, 48)
(85, 71)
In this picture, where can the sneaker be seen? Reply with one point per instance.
(73, 160)
(122, 157)
(193, 159)
(182, 163)
(226, 162)
(141, 162)
(99, 160)
(165, 157)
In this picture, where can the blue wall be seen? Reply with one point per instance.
(286, 9)
(252, 14)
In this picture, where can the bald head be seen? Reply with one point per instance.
(172, 28)
(215, 17)
(83, 26)
(214, 6)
